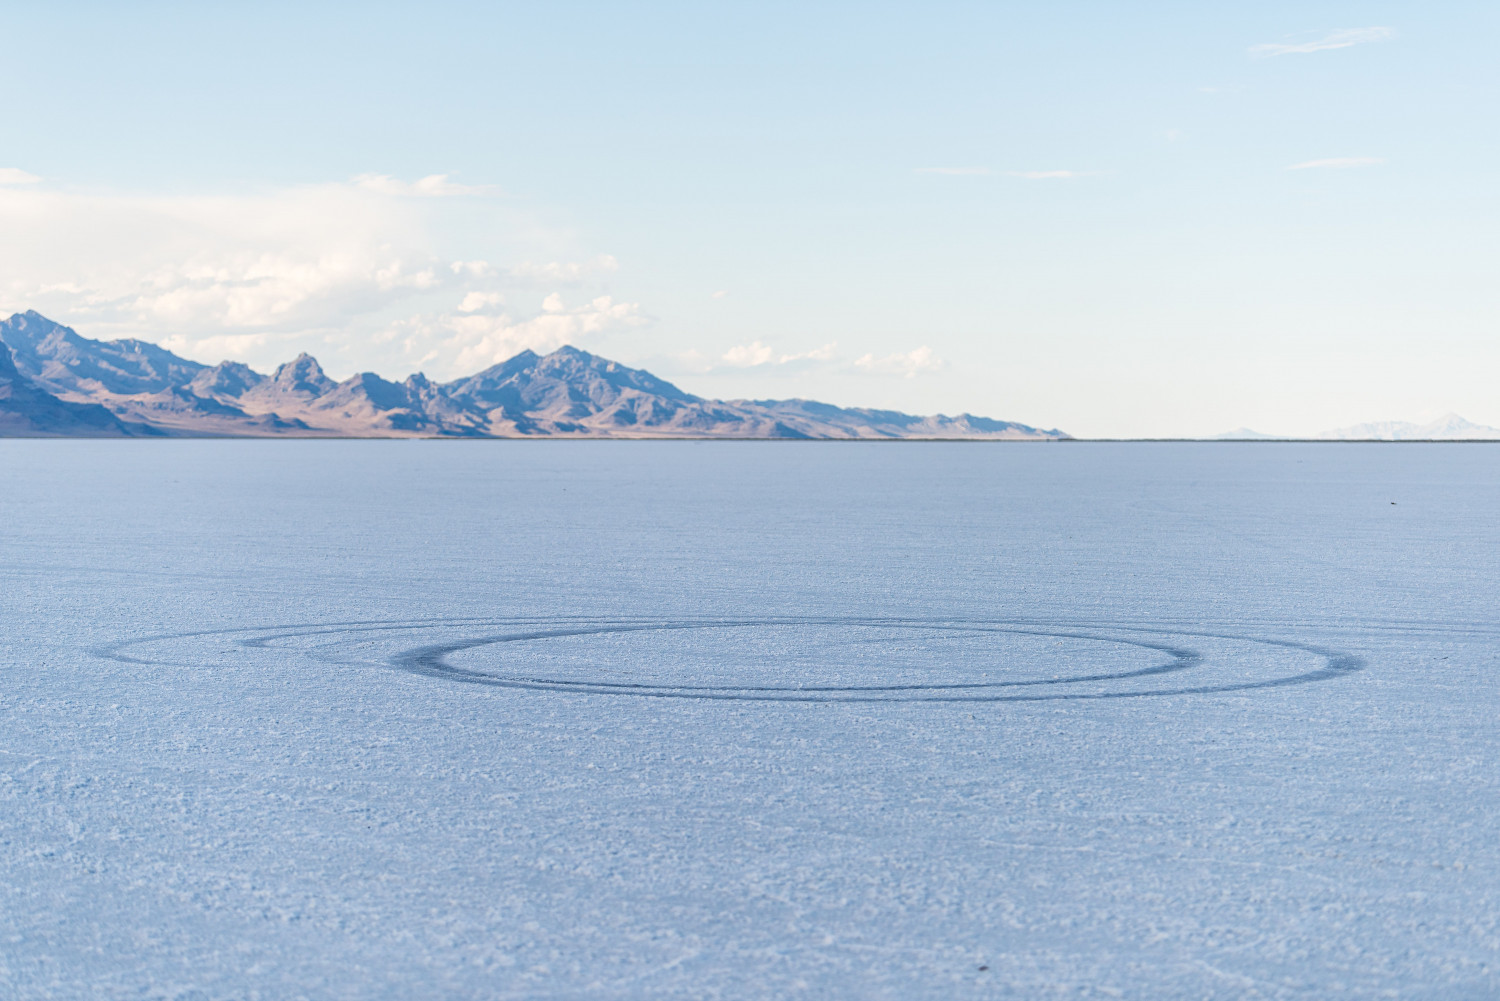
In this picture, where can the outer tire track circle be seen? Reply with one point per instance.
(1182, 663)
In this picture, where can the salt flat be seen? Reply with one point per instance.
(748, 720)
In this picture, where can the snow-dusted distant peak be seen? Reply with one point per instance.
(1450, 427)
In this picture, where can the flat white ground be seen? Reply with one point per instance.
(696, 720)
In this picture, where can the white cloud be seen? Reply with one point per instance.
(1341, 39)
(267, 290)
(431, 186)
(477, 341)
(14, 175)
(955, 171)
(156, 266)
(825, 353)
(747, 355)
(473, 302)
(323, 268)
(721, 293)
(756, 354)
(1338, 163)
(909, 364)
(216, 346)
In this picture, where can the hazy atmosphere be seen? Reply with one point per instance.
(1120, 221)
(654, 502)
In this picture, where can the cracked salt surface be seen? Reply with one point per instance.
(685, 719)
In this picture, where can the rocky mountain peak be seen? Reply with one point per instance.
(302, 375)
(228, 378)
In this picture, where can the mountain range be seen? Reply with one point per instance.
(54, 382)
(1449, 427)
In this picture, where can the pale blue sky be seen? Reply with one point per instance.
(1079, 215)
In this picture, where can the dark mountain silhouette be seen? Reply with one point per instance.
(59, 360)
(566, 393)
(27, 410)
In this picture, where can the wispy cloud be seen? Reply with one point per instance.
(14, 175)
(908, 364)
(554, 272)
(537, 273)
(1030, 175)
(431, 186)
(1338, 163)
(756, 354)
(1048, 175)
(1342, 39)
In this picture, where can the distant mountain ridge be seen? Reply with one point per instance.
(1449, 427)
(54, 381)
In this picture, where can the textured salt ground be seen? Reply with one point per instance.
(281, 806)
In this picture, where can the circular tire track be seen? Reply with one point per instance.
(1181, 670)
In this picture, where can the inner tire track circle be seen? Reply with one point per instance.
(433, 661)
